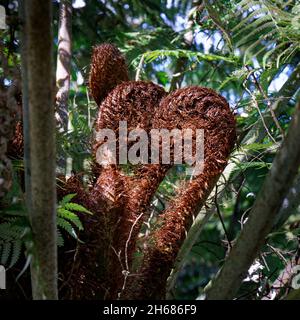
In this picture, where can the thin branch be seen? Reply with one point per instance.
(262, 92)
(258, 109)
(221, 218)
(129, 238)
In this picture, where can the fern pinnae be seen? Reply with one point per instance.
(246, 4)
(259, 52)
(278, 11)
(152, 55)
(249, 17)
(60, 239)
(270, 52)
(66, 199)
(255, 44)
(255, 31)
(77, 207)
(71, 216)
(242, 3)
(67, 226)
(288, 52)
(249, 49)
(5, 252)
(251, 5)
(253, 25)
(16, 253)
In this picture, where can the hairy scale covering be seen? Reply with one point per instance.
(108, 69)
(145, 105)
(117, 200)
(135, 103)
(11, 141)
(197, 108)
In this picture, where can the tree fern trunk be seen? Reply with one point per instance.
(63, 62)
(39, 121)
(63, 70)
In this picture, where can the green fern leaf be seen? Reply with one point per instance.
(285, 54)
(268, 25)
(16, 252)
(249, 17)
(77, 207)
(270, 52)
(67, 227)
(251, 25)
(5, 253)
(60, 239)
(67, 199)
(153, 55)
(249, 5)
(71, 216)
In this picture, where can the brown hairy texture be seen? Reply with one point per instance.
(192, 107)
(138, 193)
(15, 148)
(125, 199)
(135, 103)
(108, 69)
(81, 271)
(120, 202)
(9, 115)
(72, 185)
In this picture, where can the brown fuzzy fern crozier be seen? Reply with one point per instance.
(145, 105)
(198, 108)
(135, 103)
(108, 69)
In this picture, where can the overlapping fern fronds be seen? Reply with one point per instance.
(269, 29)
(181, 53)
(15, 230)
(12, 236)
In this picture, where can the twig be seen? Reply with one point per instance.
(220, 217)
(126, 271)
(257, 107)
(262, 92)
(128, 240)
